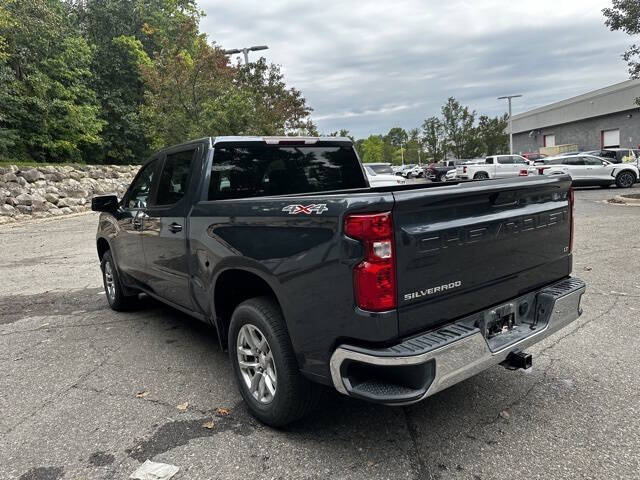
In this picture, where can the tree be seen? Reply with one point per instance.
(458, 128)
(49, 111)
(397, 137)
(492, 134)
(625, 15)
(373, 149)
(433, 137)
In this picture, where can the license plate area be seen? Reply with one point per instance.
(498, 321)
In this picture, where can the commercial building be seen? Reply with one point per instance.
(605, 118)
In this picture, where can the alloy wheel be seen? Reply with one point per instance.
(257, 367)
(109, 281)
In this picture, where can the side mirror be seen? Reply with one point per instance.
(104, 203)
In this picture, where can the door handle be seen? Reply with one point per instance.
(175, 227)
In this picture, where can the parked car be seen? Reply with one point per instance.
(414, 171)
(450, 176)
(587, 170)
(382, 179)
(622, 155)
(437, 172)
(310, 275)
(495, 166)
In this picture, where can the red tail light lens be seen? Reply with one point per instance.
(374, 279)
(524, 172)
(464, 169)
(571, 202)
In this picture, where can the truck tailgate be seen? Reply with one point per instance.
(466, 247)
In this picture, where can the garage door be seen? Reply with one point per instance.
(611, 138)
(549, 140)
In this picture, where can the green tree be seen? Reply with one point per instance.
(396, 137)
(49, 112)
(492, 134)
(624, 15)
(433, 137)
(458, 124)
(373, 149)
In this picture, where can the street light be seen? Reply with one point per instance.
(245, 51)
(509, 97)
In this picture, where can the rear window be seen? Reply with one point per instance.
(258, 170)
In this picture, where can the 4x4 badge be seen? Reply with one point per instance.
(317, 208)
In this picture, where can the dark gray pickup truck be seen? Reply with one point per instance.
(312, 277)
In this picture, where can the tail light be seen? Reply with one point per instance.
(524, 172)
(464, 169)
(571, 203)
(374, 279)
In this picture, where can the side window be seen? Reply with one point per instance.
(574, 161)
(489, 160)
(174, 177)
(138, 196)
(505, 160)
(519, 160)
(592, 161)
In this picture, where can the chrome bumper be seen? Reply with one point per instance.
(460, 350)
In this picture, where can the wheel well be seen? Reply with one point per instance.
(626, 170)
(232, 288)
(480, 173)
(103, 247)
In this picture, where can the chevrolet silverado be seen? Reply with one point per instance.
(310, 276)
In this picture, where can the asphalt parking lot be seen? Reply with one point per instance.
(87, 393)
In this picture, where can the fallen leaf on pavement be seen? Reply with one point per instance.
(223, 412)
(142, 394)
(588, 269)
(183, 406)
(504, 414)
(209, 425)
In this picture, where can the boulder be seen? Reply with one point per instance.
(9, 177)
(52, 197)
(66, 210)
(32, 175)
(21, 181)
(24, 199)
(24, 209)
(7, 210)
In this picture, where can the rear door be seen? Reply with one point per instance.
(164, 239)
(576, 168)
(504, 166)
(463, 248)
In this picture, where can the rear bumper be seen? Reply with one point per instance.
(425, 364)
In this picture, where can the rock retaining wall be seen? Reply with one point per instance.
(49, 191)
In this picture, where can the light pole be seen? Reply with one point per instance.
(402, 153)
(245, 51)
(509, 97)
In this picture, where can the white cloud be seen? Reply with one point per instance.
(368, 66)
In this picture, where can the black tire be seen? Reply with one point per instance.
(116, 297)
(625, 179)
(443, 177)
(481, 176)
(294, 396)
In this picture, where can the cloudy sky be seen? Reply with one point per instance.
(370, 65)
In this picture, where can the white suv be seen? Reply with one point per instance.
(586, 170)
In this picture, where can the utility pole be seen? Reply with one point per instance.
(402, 153)
(509, 97)
(245, 51)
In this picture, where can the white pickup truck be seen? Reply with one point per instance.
(495, 166)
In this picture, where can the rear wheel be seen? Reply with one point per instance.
(443, 177)
(113, 287)
(481, 176)
(625, 179)
(265, 366)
